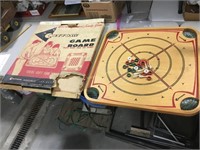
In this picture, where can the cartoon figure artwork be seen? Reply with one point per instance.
(27, 54)
(31, 50)
(47, 57)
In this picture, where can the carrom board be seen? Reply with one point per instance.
(154, 69)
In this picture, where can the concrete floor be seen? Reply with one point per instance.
(10, 112)
(52, 134)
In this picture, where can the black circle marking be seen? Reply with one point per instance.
(189, 103)
(112, 34)
(189, 33)
(93, 92)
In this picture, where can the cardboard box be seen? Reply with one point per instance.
(110, 10)
(57, 58)
(191, 12)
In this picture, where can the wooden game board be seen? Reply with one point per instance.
(155, 69)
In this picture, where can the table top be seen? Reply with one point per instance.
(28, 27)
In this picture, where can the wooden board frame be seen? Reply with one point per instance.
(175, 75)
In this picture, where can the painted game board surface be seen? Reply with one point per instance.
(154, 69)
(57, 57)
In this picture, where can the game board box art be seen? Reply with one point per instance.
(57, 57)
